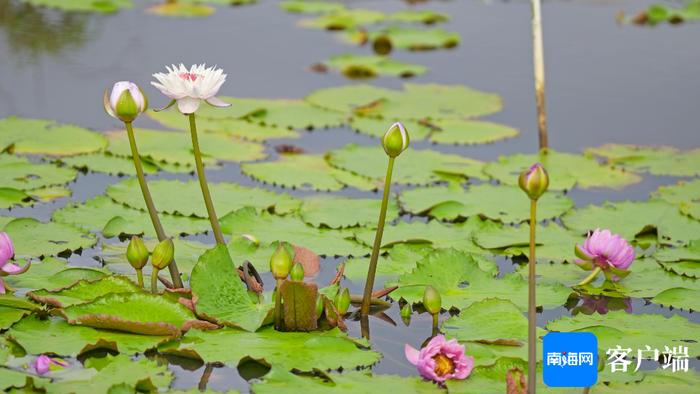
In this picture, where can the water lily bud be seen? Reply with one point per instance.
(534, 181)
(406, 313)
(137, 253)
(280, 263)
(342, 301)
(395, 140)
(297, 272)
(125, 102)
(432, 302)
(319, 306)
(163, 254)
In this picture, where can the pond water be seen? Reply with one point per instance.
(606, 83)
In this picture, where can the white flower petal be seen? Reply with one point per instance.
(188, 105)
(217, 102)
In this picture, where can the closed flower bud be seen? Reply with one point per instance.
(534, 181)
(163, 254)
(297, 272)
(432, 302)
(342, 301)
(280, 263)
(137, 253)
(319, 306)
(395, 140)
(406, 313)
(125, 102)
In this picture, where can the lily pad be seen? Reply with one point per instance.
(459, 131)
(633, 218)
(427, 17)
(340, 212)
(84, 291)
(33, 238)
(347, 98)
(681, 260)
(566, 170)
(491, 321)
(12, 309)
(502, 203)
(363, 67)
(679, 297)
(553, 242)
(661, 160)
(311, 7)
(108, 164)
(36, 137)
(400, 259)
(345, 19)
(683, 192)
(106, 6)
(413, 167)
(10, 197)
(376, 127)
(410, 38)
(51, 273)
(19, 173)
(306, 172)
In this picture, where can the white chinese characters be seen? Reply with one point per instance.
(676, 358)
(573, 359)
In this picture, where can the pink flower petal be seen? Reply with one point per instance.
(14, 269)
(411, 354)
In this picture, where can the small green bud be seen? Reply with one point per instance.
(534, 181)
(319, 306)
(406, 313)
(163, 254)
(297, 272)
(280, 262)
(342, 301)
(432, 302)
(125, 102)
(395, 140)
(137, 253)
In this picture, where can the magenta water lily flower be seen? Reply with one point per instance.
(7, 251)
(607, 252)
(42, 364)
(190, 87)
(441, 360)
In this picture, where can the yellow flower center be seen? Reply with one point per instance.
(443, 365)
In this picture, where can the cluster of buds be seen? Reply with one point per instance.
(137, 254)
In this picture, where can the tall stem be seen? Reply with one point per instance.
(213, 219)
(139, 276)
(532, 305)
(435, 324)
(590, 277)
(150, 206)
(154, 281)
(538, 59)
(369, 284)
(278, 305)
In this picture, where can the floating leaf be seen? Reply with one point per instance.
(679, 297)
(12, 309)
(491, 321)
(458, 131)
(84, 291)
(108, 164)
(349, 97)
(554, 243)
(10, 197)
(416, 167)
(360, 67)
(36, 137)
(311, 7)
(51, 273)
(682, 260)
(339, 212)
(661, 160)
(683, 192)
(299, 301)
(400, 259)
(419, 16)
(19, 173)
(33, 238)
(376, 127)
(345, 19)
(82, 5)
(503, 203)
(566, 170)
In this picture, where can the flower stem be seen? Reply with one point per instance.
(538, 60)
(139, 276)
(154, 280)
(213, 219)
(435, 324)
(152, 212)
(590, 277)
(369, 283)
(532, 305)
(278, 306)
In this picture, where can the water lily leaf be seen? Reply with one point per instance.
(344, 19)
(12, 309)
(331, 349)
(54, 335)
(106, 6)
(108, 164)
(633, 218)
(502, 203)
(139, 313)
(347, 98)
(459, 131)
(340, 212)
(84, 291)
(299, 300)
(280, 381)
(269, 228)
(294, 114)
(219, 294)
(33, 238)
(554, 243)
(683, 192)
(681, 260)
(410, 38)
(414, 167)
(491, 379)
(427, 17)
(661, 160)
(113, 219)
(19, 173)
(679, 297)
(566, 170)
(306, 172)
(9, 316)
(311, 7)
(376, 127)
(630, 330)
(361, 67)
(185, 198)
(51, 273)
(400, 259)
(461, 282)
(36, 137)
(10, 197)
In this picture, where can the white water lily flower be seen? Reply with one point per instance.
(190, 87)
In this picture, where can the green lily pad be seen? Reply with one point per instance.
(566, 170)
(661, 160)
(363, 67)
(502, 203)
(679, 297)
(51, 273)
(84, 291)
(340, 212)
(633, 218)
(409, 38)
(139, 313)
(459, 131)
(331, 349)
(491, 379)
(54, 335)
(269, 228)
(185, 198)
(461, 282)
(12, 309)
(33, 238)
(10, 197)
(305, 172)
(345, 19)
(19, 173)
(106, 6)
(101, 214)
(400, 259)
(681, 260)
(108, 164)
(36, 137)
(414, 167)
(220, 295)
(427, 17)
(311, 7)
(683, 192)
(347, 98)
(377, 127)
(553, 242)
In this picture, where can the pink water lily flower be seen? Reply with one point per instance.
(190, 87)
(43, 363)
(7, 251)
(607, 252)
(441, 360)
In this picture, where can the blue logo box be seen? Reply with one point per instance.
(570, 359)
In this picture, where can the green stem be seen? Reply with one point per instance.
(154, 280)
(435, 324)
(590, 277)
(369, 284)
(152, 212)
(278, 306)
(213, 219)
(139, 275)
(532, 305)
